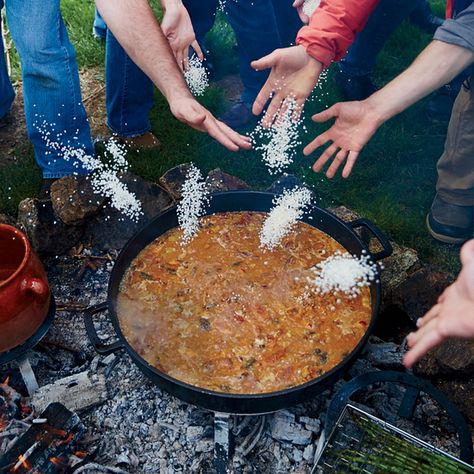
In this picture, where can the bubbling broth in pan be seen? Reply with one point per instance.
(223, 314)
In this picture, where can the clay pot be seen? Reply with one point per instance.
(24, 291)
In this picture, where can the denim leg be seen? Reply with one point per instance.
(361, 58)
(51, 84)
(7, 93)
(289, 22)
(203, 16)
(256, 30)
(99, 28)
(129, 92)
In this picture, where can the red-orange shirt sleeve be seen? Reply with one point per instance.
(333, 27)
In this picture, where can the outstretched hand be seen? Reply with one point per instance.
(178, 29)
(191, 112)
(293, 74)
(354, 126)
(452, 316)
(298, 4)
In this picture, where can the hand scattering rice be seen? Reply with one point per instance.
(309, 7)
(105, 176)
(342, 272)
(193, 202)
(289, 208)
(196, 76)
(278, 143)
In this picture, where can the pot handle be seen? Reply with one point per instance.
(98, 345)
(39, 288)
(372, 228)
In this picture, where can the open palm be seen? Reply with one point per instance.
(354, 126)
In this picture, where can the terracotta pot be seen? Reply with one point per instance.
(24, 289)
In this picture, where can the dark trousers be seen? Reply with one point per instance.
(256, 28)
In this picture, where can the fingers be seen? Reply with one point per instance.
(424, 342)
(197, 49)
(240, 140)
(327, 114)
(273, 111)
(338, 160)
(467, 252)
(320, 140)
(327, 154)
(262, 97)
(179, 59)
(353, 155)
(185, 54)
(266, 62)
(432, 313)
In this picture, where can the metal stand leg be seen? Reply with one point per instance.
(28, 375)
(222, 440)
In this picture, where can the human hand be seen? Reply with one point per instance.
(298, 4)
(191, 112)
(355, 124)
(178, 29)
(452, 316)
(294, 74)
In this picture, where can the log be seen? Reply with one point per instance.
(77, 392)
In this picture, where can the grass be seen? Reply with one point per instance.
(393, 182)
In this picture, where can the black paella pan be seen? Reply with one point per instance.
(234, 201)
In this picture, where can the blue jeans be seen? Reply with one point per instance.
(361, 57)
(128, 91)
(99, 27)
(51, 88)
(7, 93)
(256, 29)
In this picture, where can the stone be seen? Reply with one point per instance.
(285, 181)
(194, 433)
(48, 235)
(308, 453)
(204, 445)
(283, 428)
(110, 230)
(174, 179)
(385, 355)
(74, 199)
(6, 219)
(452, 357)
(311, 424)
(218, 181)
(461, 393)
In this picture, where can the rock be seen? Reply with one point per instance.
(5, 219)
(285, 181)
(297, 455)
(74, 200)
(461, 394)
(48, 235)
(173, 180)
(204, 445)
(308, 453)
(193, 433)
(284, 428)
(385, 355)
(311, 424)
(110, 229)
(218, 181)
(453, 357)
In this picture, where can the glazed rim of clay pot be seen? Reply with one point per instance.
(26, 250)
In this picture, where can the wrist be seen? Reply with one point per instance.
(380, 111)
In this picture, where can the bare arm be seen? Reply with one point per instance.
(134, 25)
(356, 122)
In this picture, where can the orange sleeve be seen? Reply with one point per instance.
(333, 27)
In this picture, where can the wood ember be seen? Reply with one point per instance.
(45, 447)
(77, 392)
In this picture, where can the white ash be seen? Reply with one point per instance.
(310, 6)
(196, 76)
(279, 142)
(105, 175)
(193, 203)
(343, 273)
(288, 208)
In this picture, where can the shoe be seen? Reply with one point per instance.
(440, 106)
(239, 116)
(423, 18)
(449, 223)
(147, 141)
(45, 191)
(354, 87)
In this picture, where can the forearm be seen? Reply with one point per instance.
(437, 65)
(134, 25)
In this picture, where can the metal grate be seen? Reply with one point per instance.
(363, 444)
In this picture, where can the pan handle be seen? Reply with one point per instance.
(98, 345)
(372, 228)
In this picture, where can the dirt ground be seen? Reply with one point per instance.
(13, 139)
